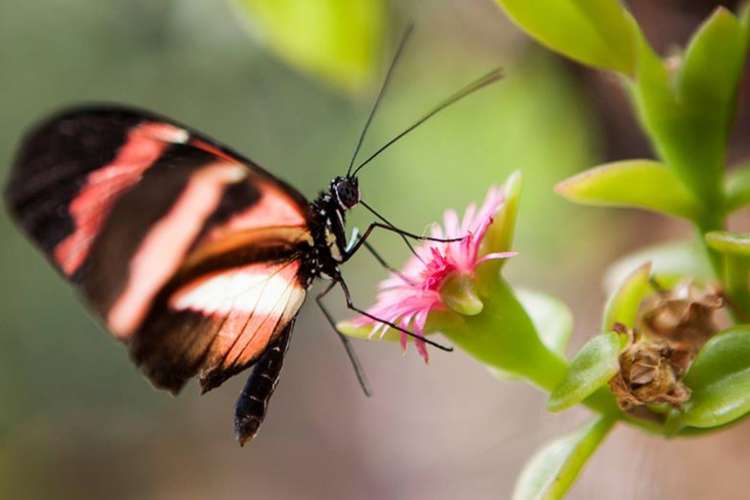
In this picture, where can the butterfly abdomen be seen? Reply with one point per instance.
(253, 401)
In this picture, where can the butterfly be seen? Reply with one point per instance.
(191, 254)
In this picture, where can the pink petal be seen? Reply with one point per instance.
(422, 349)
(469, 217)
(452, 229)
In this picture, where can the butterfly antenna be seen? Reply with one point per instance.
(489, 78)
(396, 57)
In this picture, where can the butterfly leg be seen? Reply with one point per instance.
(351, 306)
(403, 233)
(358, 370)
(385, 265)
(355, 237)
(352, 248)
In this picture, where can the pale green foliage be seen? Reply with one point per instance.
(336, 40)
(589, 370)
(720, 380)
(553, 469)
(596, 32)
(622, 306)
(632, 183)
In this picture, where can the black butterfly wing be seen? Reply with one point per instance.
(217, 324)
(73, 167)
(188, 251)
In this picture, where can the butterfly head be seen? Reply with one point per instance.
(346, 191)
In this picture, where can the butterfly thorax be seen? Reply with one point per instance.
(328, 229)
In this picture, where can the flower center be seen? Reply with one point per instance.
(436, 270)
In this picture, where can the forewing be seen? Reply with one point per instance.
(135, 208)
(72, 171)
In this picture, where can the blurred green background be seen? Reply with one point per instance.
(290, 87)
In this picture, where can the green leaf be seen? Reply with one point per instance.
(336, 40)
(705, 79)
(744, 16)
(688, 119)
(729, 243)
(596, 32)
(707, 84)
(552, 470)
(591, 368)
(670, 263)
(499, 236)
(737, 188)
(622, 306)
(551, 317)
(710, 73)
(632, 183)
(720, 380)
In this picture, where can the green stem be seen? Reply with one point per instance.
(736, 270)
(730, 272)
(712, 255)
(554, 369)
(504, 337)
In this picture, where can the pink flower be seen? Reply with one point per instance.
(407, 298)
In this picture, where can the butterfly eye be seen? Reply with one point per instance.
(347, 192)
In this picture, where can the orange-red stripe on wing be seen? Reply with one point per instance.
(274, 209)
(257, 300)
(166, 245)
(89, 209)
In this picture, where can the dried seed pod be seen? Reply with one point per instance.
(650, 372)
(684, 316)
